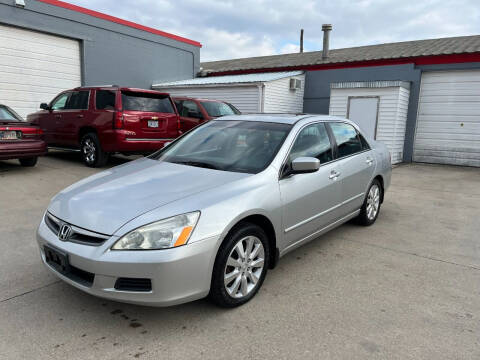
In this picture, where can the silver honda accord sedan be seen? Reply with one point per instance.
(208, 214)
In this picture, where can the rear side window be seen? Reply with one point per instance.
(78, 100)
(105, 100)
(137, 101)
(216, 109)
(313, 141)
(347, 139)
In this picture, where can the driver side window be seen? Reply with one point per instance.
(60, 102)
(312, 141)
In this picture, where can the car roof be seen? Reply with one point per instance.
(121, 88)
(281, 118)
(198, 99)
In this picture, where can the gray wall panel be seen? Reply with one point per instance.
(112, 53)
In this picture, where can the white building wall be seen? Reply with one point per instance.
(278, 98)
(392, 114)
(244, 98)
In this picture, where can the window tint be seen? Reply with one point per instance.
(348, 142)
(139, 101)
(78, 100)
(215, 108)
(313, 141)
(60, 102)
(105, 100)
(189, 107)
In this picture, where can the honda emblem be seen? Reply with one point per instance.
(64, 233)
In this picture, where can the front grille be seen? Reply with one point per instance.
(133, 284)
(77, 235)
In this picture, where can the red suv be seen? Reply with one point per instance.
(196, 111)
(104, 120)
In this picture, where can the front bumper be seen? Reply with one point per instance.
(177, 275)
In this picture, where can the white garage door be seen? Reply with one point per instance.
(448, 122)
(34, 67)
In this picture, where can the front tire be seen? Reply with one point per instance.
(92, 153)
(240, 266)
(371, 205)
(32, 161)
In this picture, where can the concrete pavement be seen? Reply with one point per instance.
(406, 288)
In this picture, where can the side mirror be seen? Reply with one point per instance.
(303, 165)
(44, 106)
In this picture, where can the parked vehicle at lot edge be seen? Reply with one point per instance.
(212, 211)
(104, 120)
(19, 139)
(194, 112)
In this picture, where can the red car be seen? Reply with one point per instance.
(104, 120)
(196, 111)
(19, 139)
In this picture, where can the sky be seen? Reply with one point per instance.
(235, 29)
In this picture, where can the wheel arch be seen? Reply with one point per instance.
(382, 184)
(85, 130)
(267, 225)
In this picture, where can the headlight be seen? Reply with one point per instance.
(163, 234)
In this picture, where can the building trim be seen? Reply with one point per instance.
(420, 61)
(117, 20)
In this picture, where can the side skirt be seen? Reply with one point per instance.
(319, 232)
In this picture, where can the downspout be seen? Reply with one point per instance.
(261, 91)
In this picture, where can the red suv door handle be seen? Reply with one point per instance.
(58, 116)
(80, 116)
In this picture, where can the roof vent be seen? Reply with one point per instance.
(326, 28)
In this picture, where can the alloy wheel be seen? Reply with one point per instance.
(89, 150)
(373, 202)
(244, 267)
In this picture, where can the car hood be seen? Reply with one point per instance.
(106, 201)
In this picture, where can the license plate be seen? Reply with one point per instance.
(56, 259)
(8, 135)
(153, 123)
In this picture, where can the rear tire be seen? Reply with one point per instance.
(92, 153)
(32, 161)
(371, 205)
(240, 266)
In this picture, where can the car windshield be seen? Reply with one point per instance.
(8, 114)
(239, 146)
(216, 108)
(138, 101)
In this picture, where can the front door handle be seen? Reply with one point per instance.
(58, 116)
(80, 115)
(333, 175)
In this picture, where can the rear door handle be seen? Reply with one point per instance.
(80, 116)
(58, 116)
(333, 175)
(369, 161)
